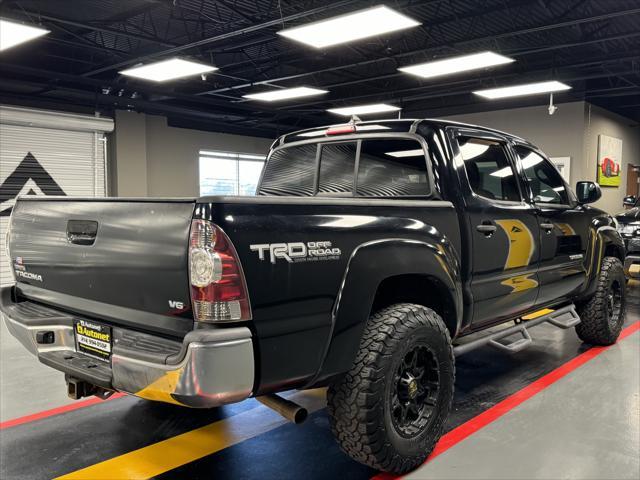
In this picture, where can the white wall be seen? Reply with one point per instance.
(155, 160)
(129, 169)
(599, 121)
(558, 135)
(571, 132)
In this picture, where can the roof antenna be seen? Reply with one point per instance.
(354, 119)
(399, 114)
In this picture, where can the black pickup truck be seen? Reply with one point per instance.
(628, 224)
(373, 254)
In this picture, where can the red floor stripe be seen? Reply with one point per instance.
(498, 410)
(56, 411)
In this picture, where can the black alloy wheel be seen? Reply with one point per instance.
(417, 385)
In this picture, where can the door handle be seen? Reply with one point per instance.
(82, 232)
(486, 227)
(547, 227)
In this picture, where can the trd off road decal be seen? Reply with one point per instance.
(294, 252)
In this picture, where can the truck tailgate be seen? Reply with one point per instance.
(120, 260)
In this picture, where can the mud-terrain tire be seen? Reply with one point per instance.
(384, 412)
(602, 316)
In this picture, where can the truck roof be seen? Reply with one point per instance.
(389, 125)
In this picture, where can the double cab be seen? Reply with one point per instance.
(372, 255)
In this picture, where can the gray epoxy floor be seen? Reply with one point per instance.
(585, 426)
(23, 380)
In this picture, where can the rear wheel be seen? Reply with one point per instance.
(389, 410)
(603, 315)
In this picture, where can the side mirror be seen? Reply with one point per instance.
(588, 192)
(629, 201)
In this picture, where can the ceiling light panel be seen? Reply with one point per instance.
(519, 90)
(284, 94)
(13, 33)
(168, 70)
(463, 63)
(364, 109)
(350, 27)
(406, 153)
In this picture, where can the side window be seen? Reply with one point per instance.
(337, 164)
(290, 171)
(488, 169)
(392, 168)
(544, 180)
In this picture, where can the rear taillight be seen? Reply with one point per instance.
(218, 288)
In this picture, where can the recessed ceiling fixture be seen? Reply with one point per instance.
(526, 89)
(285, 93)
(349, 27)
(406, 153)
(168, 70)
(364, 109)
(314, 133)
(12, 33)
(463, 63)
(360, 128)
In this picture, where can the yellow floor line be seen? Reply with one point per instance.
(174, 452)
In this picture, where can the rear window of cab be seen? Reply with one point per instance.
(380, 167)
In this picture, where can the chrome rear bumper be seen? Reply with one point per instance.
(213, 366)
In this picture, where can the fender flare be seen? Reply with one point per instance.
(602, 237)
(370, 264)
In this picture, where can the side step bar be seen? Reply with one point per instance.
(565, 317)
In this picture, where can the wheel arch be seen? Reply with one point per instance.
(614, 250)
(382, 271)
(606, 242)
(421, 289)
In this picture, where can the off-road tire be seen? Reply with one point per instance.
(597, 326)
(359, 404)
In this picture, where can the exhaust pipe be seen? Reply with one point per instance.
(288, 409)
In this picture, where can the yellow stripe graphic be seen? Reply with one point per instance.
(520, 283)
(520, 243)
(174, 452)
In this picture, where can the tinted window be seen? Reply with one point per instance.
(337, 163)
(392, 168)
(290, 171)
(544, 180)
(488, 169)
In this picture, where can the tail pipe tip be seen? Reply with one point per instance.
(288, 409)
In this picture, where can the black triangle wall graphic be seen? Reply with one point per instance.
(28, 169)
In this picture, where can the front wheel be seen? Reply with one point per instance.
(602, 316)
(389, 410)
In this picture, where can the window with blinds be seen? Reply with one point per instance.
(229, 173)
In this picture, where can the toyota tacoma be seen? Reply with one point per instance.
(373, 254)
